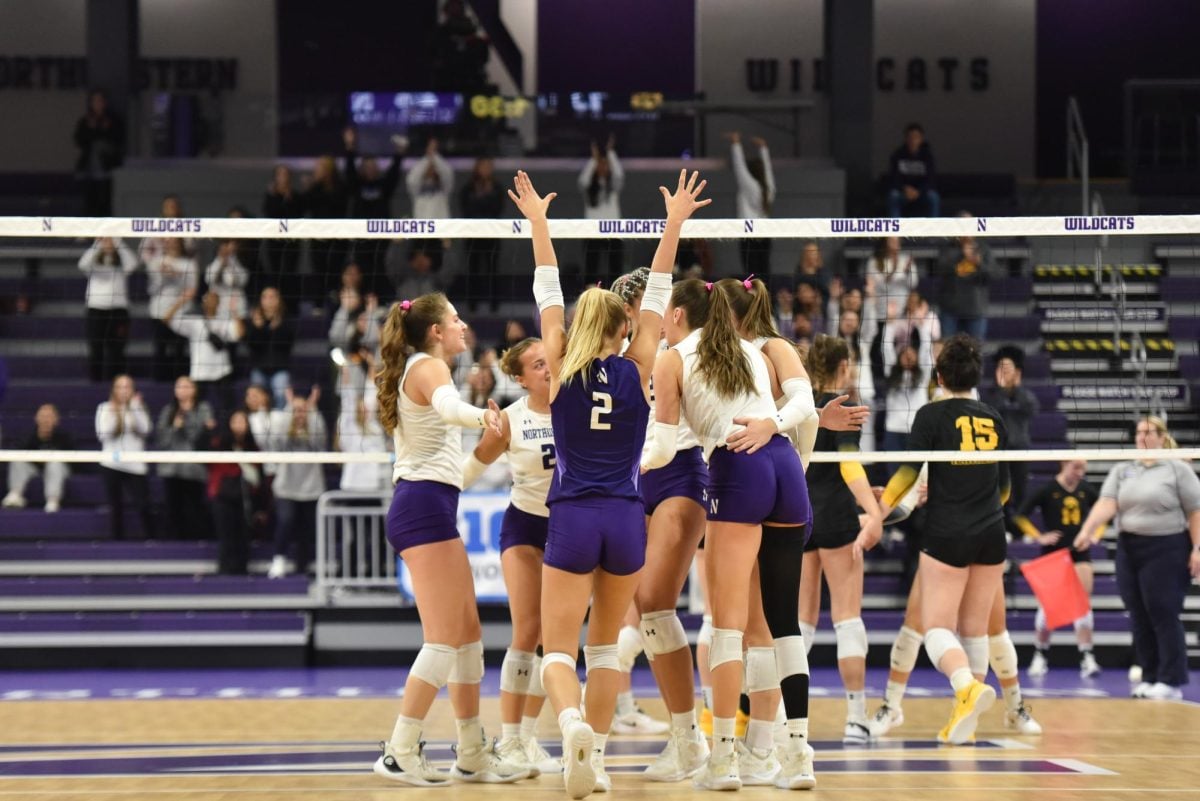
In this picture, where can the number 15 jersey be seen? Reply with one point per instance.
(599, 430)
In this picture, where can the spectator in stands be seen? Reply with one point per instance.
(861, 378)
(916, 327)
(347, 323)
(370, 191)
(270, 337)
(1158, 554)
(962, 273)
(755, 197)
(359, 431)
(235, 491)
(227, 277)
(210, 341)
(694, 259)
(1018, 406)
(809, 319)
(430, 181)
(891, 275)
(811, 270)
(249, 252)
(100, 137)
(907, 387)
(482, 199)
(262, 420)
(46, 436)
(351, 279)
(324, 198)
(182, 425)
(296, 487)
(282, 268)
(785, 311)
(152, 247)
(842, 300)
(411, 269)
(357, 361)
(913, 179)
(171, 272)
(122, 425)
(601, 181)
(107, 263)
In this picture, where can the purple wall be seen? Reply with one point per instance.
(617, 45)
(1088, 48)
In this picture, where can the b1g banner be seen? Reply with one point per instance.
(479, 518)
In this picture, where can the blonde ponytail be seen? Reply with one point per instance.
(599, 316)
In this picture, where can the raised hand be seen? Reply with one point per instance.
(531, 204)
(837, 417)
(492, 418)
(684, 200)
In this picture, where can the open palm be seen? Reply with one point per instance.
(684, 200)
(531, 204)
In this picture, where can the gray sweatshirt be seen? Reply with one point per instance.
(298, 482)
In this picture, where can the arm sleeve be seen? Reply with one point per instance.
(585, 175)
(799, 407)
(88, 260)
(453, 410)
(768, 173)
(660, 448)
(472, 470)
(415, 173)
(141, 422)
(737, 158)
(445, 172)
(106, 421)
(129, 260)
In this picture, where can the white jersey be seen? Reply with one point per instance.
(711, 416)
(531, 457)
(685, 438)
(427, 447)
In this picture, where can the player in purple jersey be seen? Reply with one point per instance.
(595, 547)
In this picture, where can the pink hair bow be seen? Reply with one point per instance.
(405, 305)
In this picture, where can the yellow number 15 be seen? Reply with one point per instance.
(978, 433)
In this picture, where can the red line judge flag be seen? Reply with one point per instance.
(1057, 588)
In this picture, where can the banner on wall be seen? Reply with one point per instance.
(479, 518)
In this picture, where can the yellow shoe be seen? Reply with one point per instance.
(706, 721)
(742, 721)
(971, 703)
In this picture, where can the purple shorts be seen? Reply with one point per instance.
(685, 476)
(522, 528)
(422, 512)
(587, 533)
(766, 486)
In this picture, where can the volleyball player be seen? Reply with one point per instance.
(722, 384)
(596, 539)
(1064, 503)
(526, 435)
(420, 406)
(837, 542)
(964, 546)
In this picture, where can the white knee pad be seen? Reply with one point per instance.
(762, 672)
(791, 657)
(468, 664)
(516, 672)
(555, 658)
(851, 638)
(535, 679)
(905, 650)
(1085, 622)
(809, 632)
(939, 642)
(662, 633)
(629, 645)
(1003, 656)
(434, 664)
(601, 657)
(1039, 620)
(726, 647)
(704, 638)
(977, 654)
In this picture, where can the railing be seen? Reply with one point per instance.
(1078, 157)
(353, 555)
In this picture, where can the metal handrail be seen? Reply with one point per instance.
(1078, 156)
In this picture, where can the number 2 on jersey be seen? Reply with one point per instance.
(978, 433)
(603, 406)
(548, 460)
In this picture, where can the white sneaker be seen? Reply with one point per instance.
(757, 768)
(513, 751)
(638, 722)
(684, 754)
(719, 774)
(14, 500)
(481, 764)
(1039, 666)
(1140, 689)
(603, 782)
(579, 777)
(1163, 692)
(540, 759)
(884, 720)
(1088, 667)
(279, 567)
(52, 505)
(1021, 720)
(410, 767)
(857, 732)
(1135, 674)
(797, 772)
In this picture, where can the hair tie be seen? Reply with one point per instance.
(746, 282)
(405, 305)
(708, 286)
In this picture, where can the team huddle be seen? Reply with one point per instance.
(672, 423)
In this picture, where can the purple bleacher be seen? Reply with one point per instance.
(67, 524)
(71, 397)
(1010, 289)
(23, 326)
(97, 622)
(119, 551)
(99, 586)
(304, 368)
(1184, 329)
(1048, 426)
(1023, 327)
(1180, 288)
(1047, 394)
(1189, 367)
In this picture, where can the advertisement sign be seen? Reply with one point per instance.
(479, 518)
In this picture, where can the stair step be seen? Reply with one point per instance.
(1075, 272)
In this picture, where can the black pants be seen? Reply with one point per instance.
(756, 257)
(1153, 578)
(296, 531)
(171, 356)
(107, 334)
(229, 518)
(187, 509)
(118, 483)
